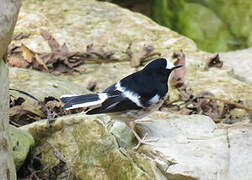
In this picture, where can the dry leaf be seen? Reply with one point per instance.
(41, 64)
(16, 102)
(214, 62)
(98, 52)
(27, 53)
(54, 45)
(17, 62)
(177, 79)
(146, 52)
(21, 36)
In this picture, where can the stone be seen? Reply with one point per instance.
(240, 61)
(21, 142)
(189, 147)
(40, 85)
(107, 17)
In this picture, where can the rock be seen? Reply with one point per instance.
(21, 142)
(93, 19)
(189, 147)
(91, 152)
(40, 85)
(240, 61)
(240, 142)
(85, 22)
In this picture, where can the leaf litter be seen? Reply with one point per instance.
(59, 60)
(137, 58)
(33, 167)
(62, 60)
(50, 108)
(213, 61)
(204, 102)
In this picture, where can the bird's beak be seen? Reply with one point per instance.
(176, 67)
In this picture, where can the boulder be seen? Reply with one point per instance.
(189, 147)
(94, 147)
(240, 61)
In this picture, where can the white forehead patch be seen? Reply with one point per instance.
(169, 65)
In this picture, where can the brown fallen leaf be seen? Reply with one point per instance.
(16, 102)
(27, 53)
(98, 52)
(53, 44)
(33, 59)
(185, 93)
(54, 106)
(20, 116)
(21, 36)
(59, 60)
(177, 79)
(146, 52)
(213, 62)
(39, 64)
(17, 62)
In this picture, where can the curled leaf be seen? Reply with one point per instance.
(177, 79)
(40, 64)
(27, 53)
(214, 62)
(53, 44)
(17, 62)
(146, 52)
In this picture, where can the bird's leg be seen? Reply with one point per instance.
(139, 121)
(143, 140)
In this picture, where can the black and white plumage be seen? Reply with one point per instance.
(132, 98)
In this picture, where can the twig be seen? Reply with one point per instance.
(152, 54)
(50, 115)
(93, 60)
(237, 105)
(228, 140)
(57, 154)
(14, 123)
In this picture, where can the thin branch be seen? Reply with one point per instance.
(237, 105)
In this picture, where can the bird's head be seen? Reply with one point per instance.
(161, 68)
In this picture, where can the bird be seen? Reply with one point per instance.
(130, 99)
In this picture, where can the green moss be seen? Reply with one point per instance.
(21, 142)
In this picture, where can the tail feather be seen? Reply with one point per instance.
(88, 100)
(66, 98)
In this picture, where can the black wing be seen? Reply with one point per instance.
(117, 103)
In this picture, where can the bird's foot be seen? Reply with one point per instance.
(144, 140)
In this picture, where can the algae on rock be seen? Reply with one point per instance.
(21, 142)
